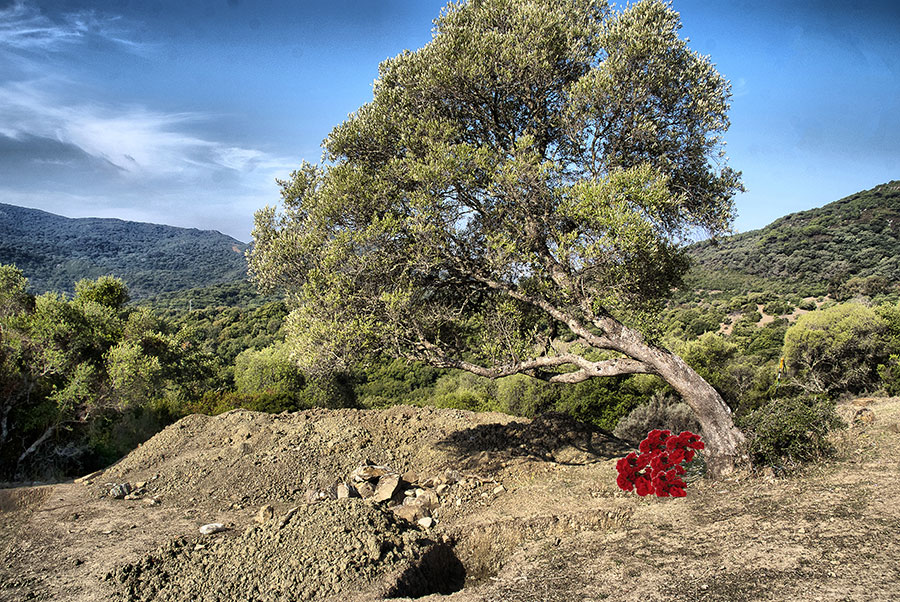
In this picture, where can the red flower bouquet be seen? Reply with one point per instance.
(658, 468)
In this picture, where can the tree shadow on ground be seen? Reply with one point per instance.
(552, 437)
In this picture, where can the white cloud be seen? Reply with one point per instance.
(138, 140)
(79, 153)
(24, 27)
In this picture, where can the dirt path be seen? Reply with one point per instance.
(534, 515)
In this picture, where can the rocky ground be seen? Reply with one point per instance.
(447, 505)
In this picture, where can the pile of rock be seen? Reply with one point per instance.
(407, 495)
(130, 491)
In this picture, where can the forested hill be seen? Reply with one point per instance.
(55, 251)
(853, 243)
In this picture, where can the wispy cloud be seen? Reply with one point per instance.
(68, 146)
(25, 27)
(137, 140)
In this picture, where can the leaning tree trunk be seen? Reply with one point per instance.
(723, 439)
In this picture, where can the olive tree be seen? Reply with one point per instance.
(514, 199)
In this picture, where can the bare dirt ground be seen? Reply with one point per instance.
(528, 511)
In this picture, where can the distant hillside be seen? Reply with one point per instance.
(239, 293)
(855, 240)
(55, 251)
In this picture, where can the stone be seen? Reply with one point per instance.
(133, 496)
(151, 501)
(412, 513)
(367, 472)
(140, 484)
(211, 528)
(499, 489)
(429, 500)
(426, 522)
(365, 490)
(265, 514)
(387, 487)
(120, 490)
(442, 488)
(410, 476)
(345, 491)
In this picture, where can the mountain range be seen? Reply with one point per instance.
(853, 240)
(55, 251)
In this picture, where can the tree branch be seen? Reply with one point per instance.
(535, 367)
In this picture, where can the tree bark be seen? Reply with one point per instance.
(723, 439)
(33, 447)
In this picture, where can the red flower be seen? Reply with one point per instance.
(644, 485)
(664, 454)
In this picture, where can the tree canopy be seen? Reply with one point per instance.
(517, 192)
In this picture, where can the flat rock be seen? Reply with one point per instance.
(368, 473)
(387, 487)
(344, 491)
(211, 528)
(120, 490)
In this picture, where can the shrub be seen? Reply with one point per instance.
(837, 350)
(663, 412)
(787, 432)
(807, 305)
(778, 307)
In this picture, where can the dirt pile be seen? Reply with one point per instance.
(314, 552)
(370, 501)
(244, 459)
(529, 510)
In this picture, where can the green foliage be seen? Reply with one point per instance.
(14, 297)
(837, 350)
(662, 411)
(55, 251)
(239, 294)
(106, 291)
(787, 432)
(268, 370)
(218, 402)
(71, 371)
(848, 247)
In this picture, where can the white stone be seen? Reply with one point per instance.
(211, 528)
(426, 522)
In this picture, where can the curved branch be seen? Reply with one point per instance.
(613, 367)
(597, 341)
(535, 367)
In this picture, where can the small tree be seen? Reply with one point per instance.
(526, 177)
(837, 350)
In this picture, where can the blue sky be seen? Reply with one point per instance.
(185, 112)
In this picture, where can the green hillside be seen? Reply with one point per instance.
(55, 251)
(851, 245)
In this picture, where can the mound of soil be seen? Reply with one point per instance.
(245, 459)
(314, 552)
(529, 510)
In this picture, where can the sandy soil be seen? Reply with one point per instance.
(532, 513)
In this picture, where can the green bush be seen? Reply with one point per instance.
(788, 432)
(807, 305)
(661, 412)
(778, 307)
(837, 350)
